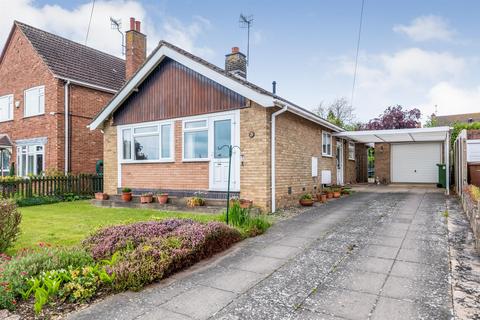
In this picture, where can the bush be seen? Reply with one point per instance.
(36, 200)
(473, 191)
(149, 251)
(10, 219)
(241, 218)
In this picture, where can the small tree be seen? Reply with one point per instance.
(395, 118)
(339, 112)
(10, 219)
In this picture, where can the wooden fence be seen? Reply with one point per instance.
(52, 186)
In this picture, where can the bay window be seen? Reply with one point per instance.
(30, 160)
(147, 143)
(195, 140)
(34, 101)
(6, 108)
(326, 144)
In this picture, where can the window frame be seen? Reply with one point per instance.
(327, 154)
(42, 112)
(158, 132)
(351, 153)
(206, 128)
(11, 107)
(19, 160)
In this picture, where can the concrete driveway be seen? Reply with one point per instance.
(377, 255)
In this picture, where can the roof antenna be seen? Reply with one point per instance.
(246, 22)
(116, 24)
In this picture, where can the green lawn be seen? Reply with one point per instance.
(67, 223)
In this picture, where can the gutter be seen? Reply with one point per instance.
(272, 141)
(67, 126)
(87, 85)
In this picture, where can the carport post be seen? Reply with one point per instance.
(447, 164)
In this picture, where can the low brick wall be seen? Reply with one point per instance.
(472, 209)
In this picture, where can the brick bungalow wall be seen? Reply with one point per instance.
(382, 162)
(110, 169)
(350, 167)
(22, 69)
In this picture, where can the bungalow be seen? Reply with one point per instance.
(166, 128)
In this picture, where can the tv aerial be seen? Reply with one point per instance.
(116, 24)
(246, 21)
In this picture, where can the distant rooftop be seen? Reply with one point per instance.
(457, 118)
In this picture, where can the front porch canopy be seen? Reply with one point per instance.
(440, 134)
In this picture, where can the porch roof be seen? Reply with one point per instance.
(5, 142)
(397, 135)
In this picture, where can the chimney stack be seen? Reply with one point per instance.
(135, 48)
(236, 63)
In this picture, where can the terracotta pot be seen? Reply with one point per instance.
(162, 198)
(127, 196)
(329, 195)
(336, 194)
(244, 203)
(322, 197)
(306, 202)
(146, 199)
(101, 196)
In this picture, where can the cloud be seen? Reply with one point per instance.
(451, 99)
(426, 28)
(73, 23)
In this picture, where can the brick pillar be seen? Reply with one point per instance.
(135, 48)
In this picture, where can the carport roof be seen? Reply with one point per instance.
(397, 135)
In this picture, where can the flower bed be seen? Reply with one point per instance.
(47, 281)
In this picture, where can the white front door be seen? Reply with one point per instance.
(339, 156)
(222, 136)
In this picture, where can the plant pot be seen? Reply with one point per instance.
(306, 202)
(127, 196)
(162, 198)
(336, 194)
(101, 196)
(244, 203)
(322, 197)
(329, 195)
(146, 199)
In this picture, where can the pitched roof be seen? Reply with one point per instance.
(260, 95)
(71, 60)
(457, 118)
(5, 141)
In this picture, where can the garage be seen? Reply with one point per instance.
(406, 155)
(415, 162)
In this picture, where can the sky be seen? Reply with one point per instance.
(414, 53)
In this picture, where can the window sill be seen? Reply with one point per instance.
(33, 115)
(8, 120)
(147, 161)
(327, 155)
(196, 160)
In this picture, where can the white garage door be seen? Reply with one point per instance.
(415, 162)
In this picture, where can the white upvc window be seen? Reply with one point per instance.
(34, 101)
(351, 151)
(6, 108)
(326, 144)
(147, 142)
(195, 140)
(5, 157)
(30, 159)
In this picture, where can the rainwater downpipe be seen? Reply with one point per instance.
(272, 165)
(67, 135)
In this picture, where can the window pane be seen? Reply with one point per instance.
(6, 160)
(166, 141)
(6, 108)
(222, 136)
(147, 147)
(146, 129)
(39, 164)
(127, 144)
(34, 101)
(24, 165)
(30, 164)
(196, 124)
(196, 145)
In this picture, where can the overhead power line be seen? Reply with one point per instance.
(90, 21)
(356, 54)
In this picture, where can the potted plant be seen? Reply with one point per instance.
(244, 203)
(336, 192)
(162, 198)
(101, 196)
(329, 193)
(306, 200)
(322, 197)
(126, 194)
(146, 197)
(196, 201)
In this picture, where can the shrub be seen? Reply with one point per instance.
(306, 196)
(250, 225)
(150, 251)
(36, 200)
(126, 190)
(31, 263)
(473, 191)
(10, 219)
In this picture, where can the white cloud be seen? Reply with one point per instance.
(425, 28)
(451, 99)
(73, 23)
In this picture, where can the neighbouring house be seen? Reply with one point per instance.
(167, 128)
(450, 120)
(50, 89)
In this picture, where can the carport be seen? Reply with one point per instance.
(407, 155)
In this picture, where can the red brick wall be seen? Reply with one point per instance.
(21, 69)
(176, 175)
(86, 145)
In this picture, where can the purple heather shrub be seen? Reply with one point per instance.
(151, 251)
